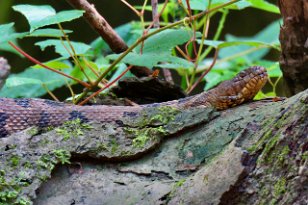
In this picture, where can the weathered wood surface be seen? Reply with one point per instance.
(252, 154)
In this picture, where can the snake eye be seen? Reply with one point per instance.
(242, 74)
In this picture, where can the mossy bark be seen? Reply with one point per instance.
(251, 154)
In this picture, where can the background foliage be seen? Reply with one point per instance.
(71, 56)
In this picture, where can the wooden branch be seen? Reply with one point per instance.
(251, 154)
(99, 23)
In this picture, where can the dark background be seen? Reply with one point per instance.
(246, 22)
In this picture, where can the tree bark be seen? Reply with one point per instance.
(256, 153)
(294, 44)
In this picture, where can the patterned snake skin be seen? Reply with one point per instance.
(19, 114)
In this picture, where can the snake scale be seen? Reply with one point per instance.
(19, 114)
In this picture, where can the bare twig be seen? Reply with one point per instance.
(50, 93)
(131, 7)
(168, 75)
(154, 14)
(204, 74)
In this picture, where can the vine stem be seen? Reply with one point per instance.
(205, 72)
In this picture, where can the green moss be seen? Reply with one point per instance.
(260, 143)
(164, 115)
(264, 192)
(15, 161)
(9, 190)
(114, 145)
(283, 154)
(62, 156)
(49, 128)
(8, 196)
(273, 201)
(64, 133)
(27, 165)
(179, 183)
(269, 145)
(305, 156)
(126, 153)
(280, 187)
(46, 162)
(142, 136)
(32, 131)
(72, 128)
(150, 117)
(140, 140)
(23, 201)
(102, 147)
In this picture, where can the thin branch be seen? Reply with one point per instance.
(50, 93)
(106, 86)
(182, 53)
(217, 33)
(160, 13)
(47, 67)
(205, 73)
(155, 17)
(131, 7)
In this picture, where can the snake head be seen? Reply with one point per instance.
(242, 88)
(250, 81)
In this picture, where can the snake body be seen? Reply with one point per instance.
(19, 114)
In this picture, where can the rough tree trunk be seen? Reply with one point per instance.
(252, 154)
(294, 44)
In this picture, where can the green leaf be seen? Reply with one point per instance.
(202, 5)
(7, 33)
(217, 76)
(39, 16)
(55, 64)
(50, 79)
(166, 40)
(268, 36)
(224, 44)
(78, 73)
(264, 5)
(157, 49)
(20, 81)
(80, 48)
(48, 32)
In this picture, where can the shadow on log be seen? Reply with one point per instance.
(252, 154)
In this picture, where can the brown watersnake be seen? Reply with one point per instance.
(19, 114)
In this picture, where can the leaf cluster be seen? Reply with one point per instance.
(171, 47)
